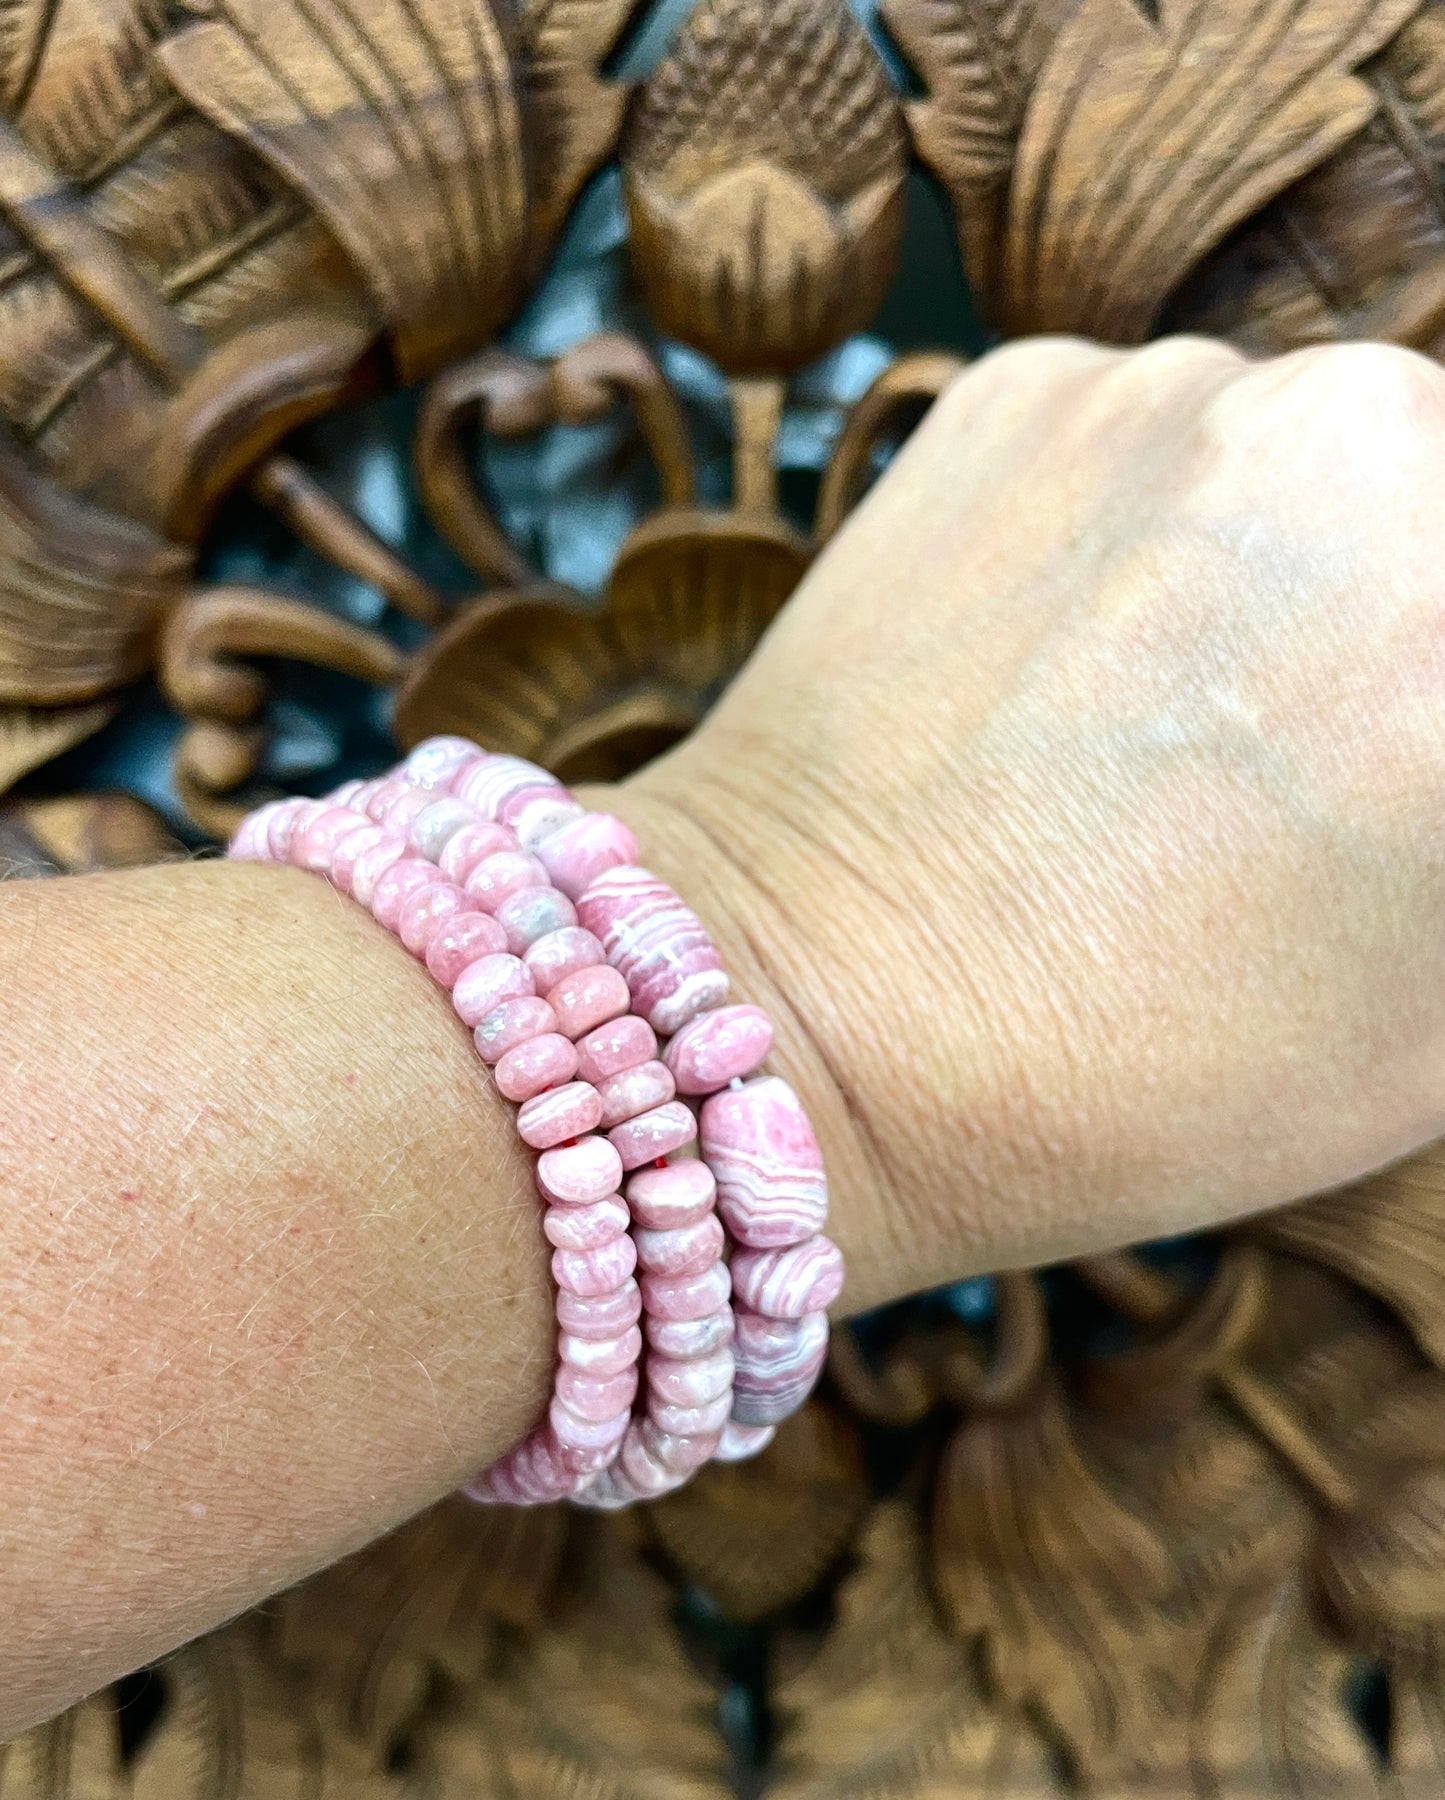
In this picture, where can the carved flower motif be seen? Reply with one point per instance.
(765, 166)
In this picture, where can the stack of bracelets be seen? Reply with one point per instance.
(569, 962)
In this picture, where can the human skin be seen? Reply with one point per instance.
(1080, 821)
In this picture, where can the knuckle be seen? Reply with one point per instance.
(1365, 383)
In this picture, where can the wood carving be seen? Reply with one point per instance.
(1199, 1552)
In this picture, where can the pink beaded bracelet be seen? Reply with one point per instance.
(756, 1140)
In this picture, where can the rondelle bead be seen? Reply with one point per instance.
(402, 810)
(771, 1189)
(384, 795)
(424, 914)
(682, 1454)
(534, 813)
(660, 946)
(600, 1356)
(579, 1174)
(248, 841)
(346, 793)
(739, 1442)
(559, 1114)
(558, 954)
(691, 1421)
(371, 865)
(600, 1315)
(314, 845)
(541, 1063)
(634, 1091)
(596, 1396)
(620, 1044)
(785, 1284)
(685, 1250)
(533, 913)
(436, 759)
(408, 875)
(588, 999)
(690, 1381)
(469, 847)
(680, 1194)
(485, 983)
(463, 939)
(486, 784)
(348, 852)
(579, 852)
(652, 1134)
(585, 1227)
(686, 1296)
(576, 1433)
(502, 875)
(638, 1473)
(289, 821)
(718, 1047)
(514, 1022)
(436, 825)
(592, 1273)
(691, 1337)
(778, 1362)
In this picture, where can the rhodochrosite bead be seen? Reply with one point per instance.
(778, 1361)
(785, 1284)
(757, 1140)
(578, 853)
(577, 1174)
(718, 1047)
(465, 938)
(671, 965)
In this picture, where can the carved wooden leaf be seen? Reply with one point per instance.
(891, 1707)
(757, 1536)
(604, 1706)
(30, 736)
(1386, 1233)
(399, 121)
(77, 1754)
(84, 77)
(1144, 143)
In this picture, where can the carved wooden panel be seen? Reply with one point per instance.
(1156, 1529)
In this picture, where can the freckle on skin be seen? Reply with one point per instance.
(351, 1079)
(130, 1193)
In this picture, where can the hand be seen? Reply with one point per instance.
(1084, 812)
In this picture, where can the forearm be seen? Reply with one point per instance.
(273, 1275)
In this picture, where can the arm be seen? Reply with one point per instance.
(1079, 823)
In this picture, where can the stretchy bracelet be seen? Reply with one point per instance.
(534, 914)
(755, 1136)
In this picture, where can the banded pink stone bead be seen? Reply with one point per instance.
(661, 948)
(686, 1296)
(665, 1199)
(634, 1091)
(534, 813)
(681, 1454)
(514, 1022)
(423, 915)
(371, 865)
(465, 938)
(315, 844)
(778, 1362)
(596, 1396)
(436, 759)
(620, 1044)
(533, 913)
(691, 1337)
(758, 1142)
(652, 1134)
(408, 875)
(558, 954)
(719, 1047)
(502, 875)
(578, 853)
(289, 819)
(561, 1113)
(685, 1250)
(436, 825)
(600, 1315)
(576, 1434)
(785, 1284)
(349, 851)
(346, 793)
(484, 984)
(739, 1442)
(585, 1227)
(403, 810)
(580, 1174)
(691, 1421)
(469, 846)
(384, 796)
(248, 841)
(530, 1069)
(600, 1356)
(592, 1273)
(486, 784)
(588, 999)
(690, 1381)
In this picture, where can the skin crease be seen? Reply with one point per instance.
(1080, 822)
